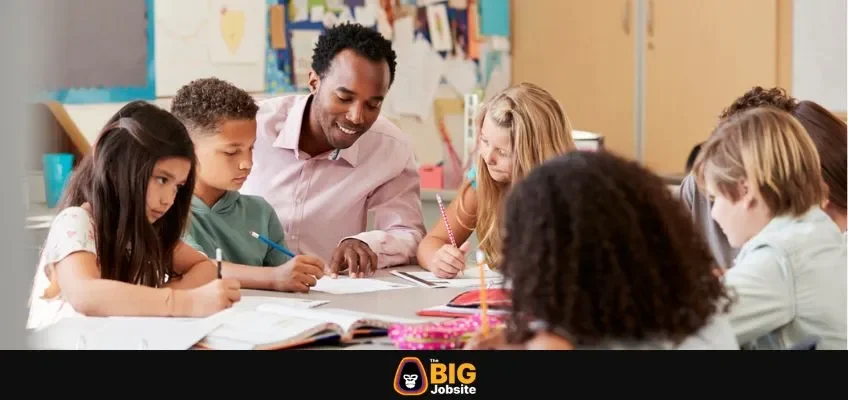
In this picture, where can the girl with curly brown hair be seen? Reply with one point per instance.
(600, 255)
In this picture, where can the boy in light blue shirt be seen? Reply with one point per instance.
(789, 277)
(221, 121)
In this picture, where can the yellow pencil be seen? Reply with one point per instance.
(484, 308)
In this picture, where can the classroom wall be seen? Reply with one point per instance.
(819, 53)
(185, 38)
(423, 133)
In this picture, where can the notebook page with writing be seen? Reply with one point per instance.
(348, 320)
(254, 329)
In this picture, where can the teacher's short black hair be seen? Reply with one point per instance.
(365, 41)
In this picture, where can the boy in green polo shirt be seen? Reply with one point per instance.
(221, 121)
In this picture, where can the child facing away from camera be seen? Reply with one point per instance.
(220, 119)
(114, 249)
(600, 255)
(763, 173)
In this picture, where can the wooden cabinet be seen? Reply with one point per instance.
(583, 52)
(650, 75)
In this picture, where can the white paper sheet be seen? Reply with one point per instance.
(365, 15)
(302, 44)
(126, 333)
(469, 278)
(316, 14)
(419, 74)
(254, 302)
(500, 43)
(500, 78)
(300, 10)
(347, 285)
(461, 74)
(383, 24)
(404, 32)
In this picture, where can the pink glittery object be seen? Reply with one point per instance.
(448, 335)
(445, 219)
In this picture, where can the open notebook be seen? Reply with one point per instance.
(149, 333)
(275, 327)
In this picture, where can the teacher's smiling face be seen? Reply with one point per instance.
(348, 98)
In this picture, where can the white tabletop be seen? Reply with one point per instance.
(402, 303)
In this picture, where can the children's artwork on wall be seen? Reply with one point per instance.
(87, 73)
(203, 38)
(236, 31)
(303, 42)
(440, 30)
(265, 46)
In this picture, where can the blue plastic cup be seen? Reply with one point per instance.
(57, 171)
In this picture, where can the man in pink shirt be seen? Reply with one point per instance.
(324, 159)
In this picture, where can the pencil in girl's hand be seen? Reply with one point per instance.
(445, 219)
(484, 307)
(218, 258)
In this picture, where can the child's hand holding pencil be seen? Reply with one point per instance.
(449, 261)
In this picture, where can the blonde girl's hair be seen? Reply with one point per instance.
(539, 130)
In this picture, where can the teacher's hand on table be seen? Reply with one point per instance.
(355, 257)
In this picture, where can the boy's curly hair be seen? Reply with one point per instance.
(597, 247)
(203, 104)
(365, 41)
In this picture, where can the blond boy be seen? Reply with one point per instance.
(789, 277)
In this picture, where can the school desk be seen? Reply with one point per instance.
(400, 303)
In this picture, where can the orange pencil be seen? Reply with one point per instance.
(484, 307)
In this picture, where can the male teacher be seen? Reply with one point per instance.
(324, 159)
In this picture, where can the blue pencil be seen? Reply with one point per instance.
(272, 244)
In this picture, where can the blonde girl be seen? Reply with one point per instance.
(517, 129)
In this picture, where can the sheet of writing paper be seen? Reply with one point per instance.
(347, 285)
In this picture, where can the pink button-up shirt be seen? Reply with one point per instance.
(321, 201)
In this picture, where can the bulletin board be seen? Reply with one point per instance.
(105, 52)
(147, 49)
(462, 44)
